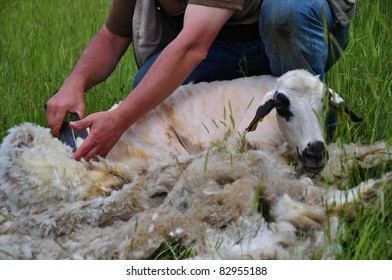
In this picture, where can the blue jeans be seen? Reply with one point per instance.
(292, 36)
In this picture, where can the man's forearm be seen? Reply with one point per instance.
(172, 67)
(98, 60)
(175, 63)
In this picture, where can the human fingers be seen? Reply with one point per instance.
(87, 145)
(81, 124)
(59, 105)
(105, 131)
(95, 144)
(87, 150)
(55, 119)
(91, 148)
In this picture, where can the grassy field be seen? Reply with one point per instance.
(42, 39)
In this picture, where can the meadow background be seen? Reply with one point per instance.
(40, 41)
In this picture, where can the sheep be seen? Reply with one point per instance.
(189, 121)
(185, 173)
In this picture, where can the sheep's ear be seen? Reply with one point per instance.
(337, 103)
(261, 112)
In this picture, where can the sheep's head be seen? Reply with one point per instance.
(298, 99)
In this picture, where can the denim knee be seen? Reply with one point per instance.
(293, 32)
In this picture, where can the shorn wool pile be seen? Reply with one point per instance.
(187, 175)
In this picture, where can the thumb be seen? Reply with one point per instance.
(81, 124)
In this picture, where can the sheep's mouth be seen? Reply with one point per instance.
(313, 169)
(312, 165)
(313, 162)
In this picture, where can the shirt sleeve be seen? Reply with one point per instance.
(119, 19)
(228, 4)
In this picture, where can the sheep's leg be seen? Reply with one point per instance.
(345, 158)
(337, 200)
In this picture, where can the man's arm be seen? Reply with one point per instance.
(172, 67)
(96, 63)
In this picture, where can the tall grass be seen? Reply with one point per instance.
(364, 78)
(42, 39)
(364, 75)
(39, 44)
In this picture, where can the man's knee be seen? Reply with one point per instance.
(284, 18)
(293, 33)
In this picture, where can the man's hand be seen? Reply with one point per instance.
(64, 101)
(106, 129)
(96, 63)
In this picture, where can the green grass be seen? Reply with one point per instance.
(363, 77)
(42, 39)
(40, 43)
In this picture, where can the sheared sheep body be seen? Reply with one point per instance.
(197, 116)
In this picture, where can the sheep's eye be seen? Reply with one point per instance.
(282, 99)
(282, 106)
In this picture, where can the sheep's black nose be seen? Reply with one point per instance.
(314, 157)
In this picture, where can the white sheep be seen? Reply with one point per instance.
(173, 178)
(197, 116)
